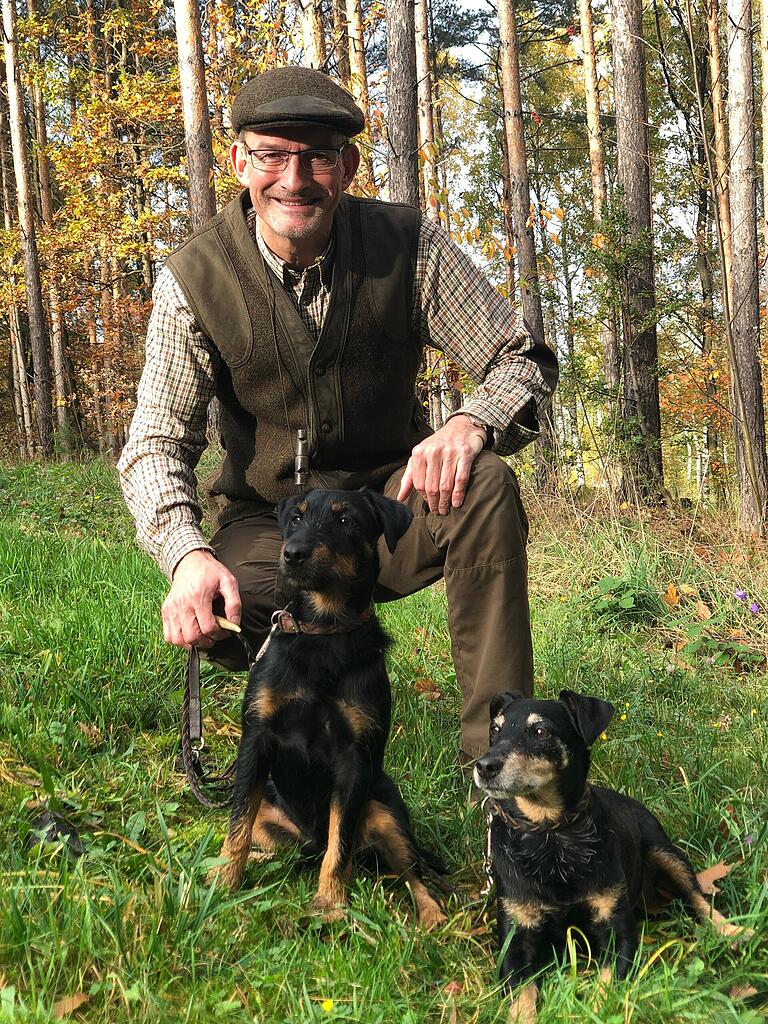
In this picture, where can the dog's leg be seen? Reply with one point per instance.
(351, 786)
(613, 917)
(250, 782)
(271, 830)
(382, 831)
(526, 954)
(678, 874)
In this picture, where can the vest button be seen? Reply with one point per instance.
(319, 371)
(326, 427)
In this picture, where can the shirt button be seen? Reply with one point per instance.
(319, 370)
(326, 427)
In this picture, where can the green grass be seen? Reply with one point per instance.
(89, 706)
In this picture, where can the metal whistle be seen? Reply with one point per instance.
(301, 462)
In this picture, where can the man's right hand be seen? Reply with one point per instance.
(187, 611)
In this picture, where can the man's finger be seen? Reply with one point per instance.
(406, 484)
(229, 590)
(463, 467)
(447, 478)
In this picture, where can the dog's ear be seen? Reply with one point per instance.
(590, 715)
(501, 699)
(284, 510)
(393, 517)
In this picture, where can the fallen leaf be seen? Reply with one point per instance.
(453, 988)
(427, 688)
(709, 876)
(703, 611)
(687, 590)
(671, 597)
(742, 991)
(63, 1007)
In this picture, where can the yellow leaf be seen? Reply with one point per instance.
(671, 597)
(432, 201)
(555, 238)
(599, 241)
(687, 590)
(559, 213)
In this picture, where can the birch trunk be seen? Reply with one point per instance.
(312, 33)
(426, 117)
(36, 313)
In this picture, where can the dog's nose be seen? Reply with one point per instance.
(488, 766)
(295, 552)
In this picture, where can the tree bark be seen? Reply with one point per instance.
(341, 40)
(402, 154)
(194, 100)
(748, 381)
(642, 418)
(312, 32)
(426, 118)
(36, 313)
(611, 353)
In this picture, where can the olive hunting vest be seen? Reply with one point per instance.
(354, 390)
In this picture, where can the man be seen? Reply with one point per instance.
(303, 308)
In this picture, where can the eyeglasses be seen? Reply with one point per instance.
(315, 160)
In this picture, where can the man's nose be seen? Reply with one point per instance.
(295, 176)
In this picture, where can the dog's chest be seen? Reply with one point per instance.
(560, 861)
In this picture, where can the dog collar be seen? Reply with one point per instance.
(286, 622)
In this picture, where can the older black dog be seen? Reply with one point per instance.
(565, 853)
(317, 708)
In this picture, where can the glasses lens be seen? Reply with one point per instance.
(319, 159)
(269, 159)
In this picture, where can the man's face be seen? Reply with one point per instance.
(295, 205)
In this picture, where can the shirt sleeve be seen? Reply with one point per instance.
(167, 435)
(458, 311)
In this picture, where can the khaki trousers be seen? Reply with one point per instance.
(479, 549)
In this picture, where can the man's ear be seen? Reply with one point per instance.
(238, 159)
(500, 700)
(393, 517)
(350, 161)
(590, 715)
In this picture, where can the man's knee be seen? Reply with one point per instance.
(493, 507)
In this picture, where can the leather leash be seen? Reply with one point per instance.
(192, 740)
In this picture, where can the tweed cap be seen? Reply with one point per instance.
(286, 97)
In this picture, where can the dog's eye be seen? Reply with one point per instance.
(296, 518)
(541, 732)
(495, 729)
(343, 521)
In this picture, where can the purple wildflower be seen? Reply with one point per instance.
(748, 840)
(740, 595)
(754, 607)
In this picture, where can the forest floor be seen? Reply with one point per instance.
(664, 614)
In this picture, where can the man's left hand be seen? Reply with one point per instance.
(439, 466)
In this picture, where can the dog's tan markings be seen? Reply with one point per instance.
(528, 913)
(302, 506)
(533, 719)
(237, 845)
(338, 506)
(522, 1009)
(381, 830)
(332, 890)
(499, 721)
(332, 605)
(358, 721)
(267, 702)
(687, 886)
(547, 807)
(565, 757)
(272, 827)
(603, 904)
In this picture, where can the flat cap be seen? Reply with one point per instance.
(285, 97)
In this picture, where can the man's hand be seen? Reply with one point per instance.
(439, 467)
(188, 609)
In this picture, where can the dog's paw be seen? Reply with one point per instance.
(225, 875)
(522, 1009)
(431, 915)
(329, 910)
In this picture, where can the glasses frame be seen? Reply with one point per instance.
(300, 153)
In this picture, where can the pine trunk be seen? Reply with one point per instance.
(641, 454)
(194, 100)
(402, 153)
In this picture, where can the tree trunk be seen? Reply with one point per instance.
(358, 82)
(764, 110)
(341, 40)
(312, 33)
(194, 100)
(37, 326)
(642, 417)
(426, 118)
(522, 220)
(611, 354)
(570, 341)
(747, 376)
(403, 148)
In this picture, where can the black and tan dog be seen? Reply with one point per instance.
(317, 708)
(565, 853)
